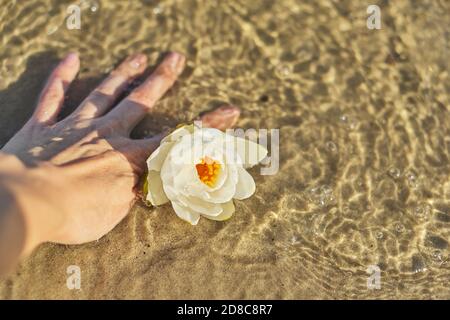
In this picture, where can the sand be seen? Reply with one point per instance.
(364, 156)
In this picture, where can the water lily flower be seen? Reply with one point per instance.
(200, 171)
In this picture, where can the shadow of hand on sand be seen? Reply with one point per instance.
(18, 100)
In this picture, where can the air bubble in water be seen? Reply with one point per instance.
(283, 70)
(422, 211)
(394, 172)
(294, 240)
(412, 180)
(360, 182)
(399, 228)
(418, 265)
(343, 118)
(325, 189)
(349, 121)
(437, 255)
(331, 146)
(91, 5)
(321, 196)
(157, 10)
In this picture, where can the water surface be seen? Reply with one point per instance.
(364, 155)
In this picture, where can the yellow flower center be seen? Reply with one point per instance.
(208, 170)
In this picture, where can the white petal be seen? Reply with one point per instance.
(192, 148)
(221, 178)
(155, 192)
(180, 179)
(251, 153)
(170, 192)
(228, 210)
(245, 186)
(201, 206)
(178, 133)
(227, 191)
(156, 159)
(187, 182)
(186, 214)
(209, 134)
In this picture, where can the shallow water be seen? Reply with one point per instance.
(364, 154)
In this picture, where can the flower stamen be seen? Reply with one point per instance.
(208, 170)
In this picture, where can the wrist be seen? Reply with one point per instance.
(35, 191)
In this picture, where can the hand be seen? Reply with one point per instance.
(84, 168)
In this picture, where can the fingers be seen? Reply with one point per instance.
(221, 118)
(52, 97)
(133, 108)
(103, 97)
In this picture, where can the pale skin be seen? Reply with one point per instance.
(74, 180)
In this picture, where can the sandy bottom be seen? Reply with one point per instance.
(364, 154)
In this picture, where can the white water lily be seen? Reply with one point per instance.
(200, 171)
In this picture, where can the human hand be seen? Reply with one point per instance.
(84, 168)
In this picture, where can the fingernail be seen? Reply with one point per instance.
(71, 58)
(228, 109)
(137, 61)
(176, 62)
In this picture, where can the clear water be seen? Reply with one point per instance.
(364, 155)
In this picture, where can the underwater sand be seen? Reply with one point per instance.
(364, 173)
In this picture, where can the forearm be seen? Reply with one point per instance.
(12, 230)
(26, 216)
